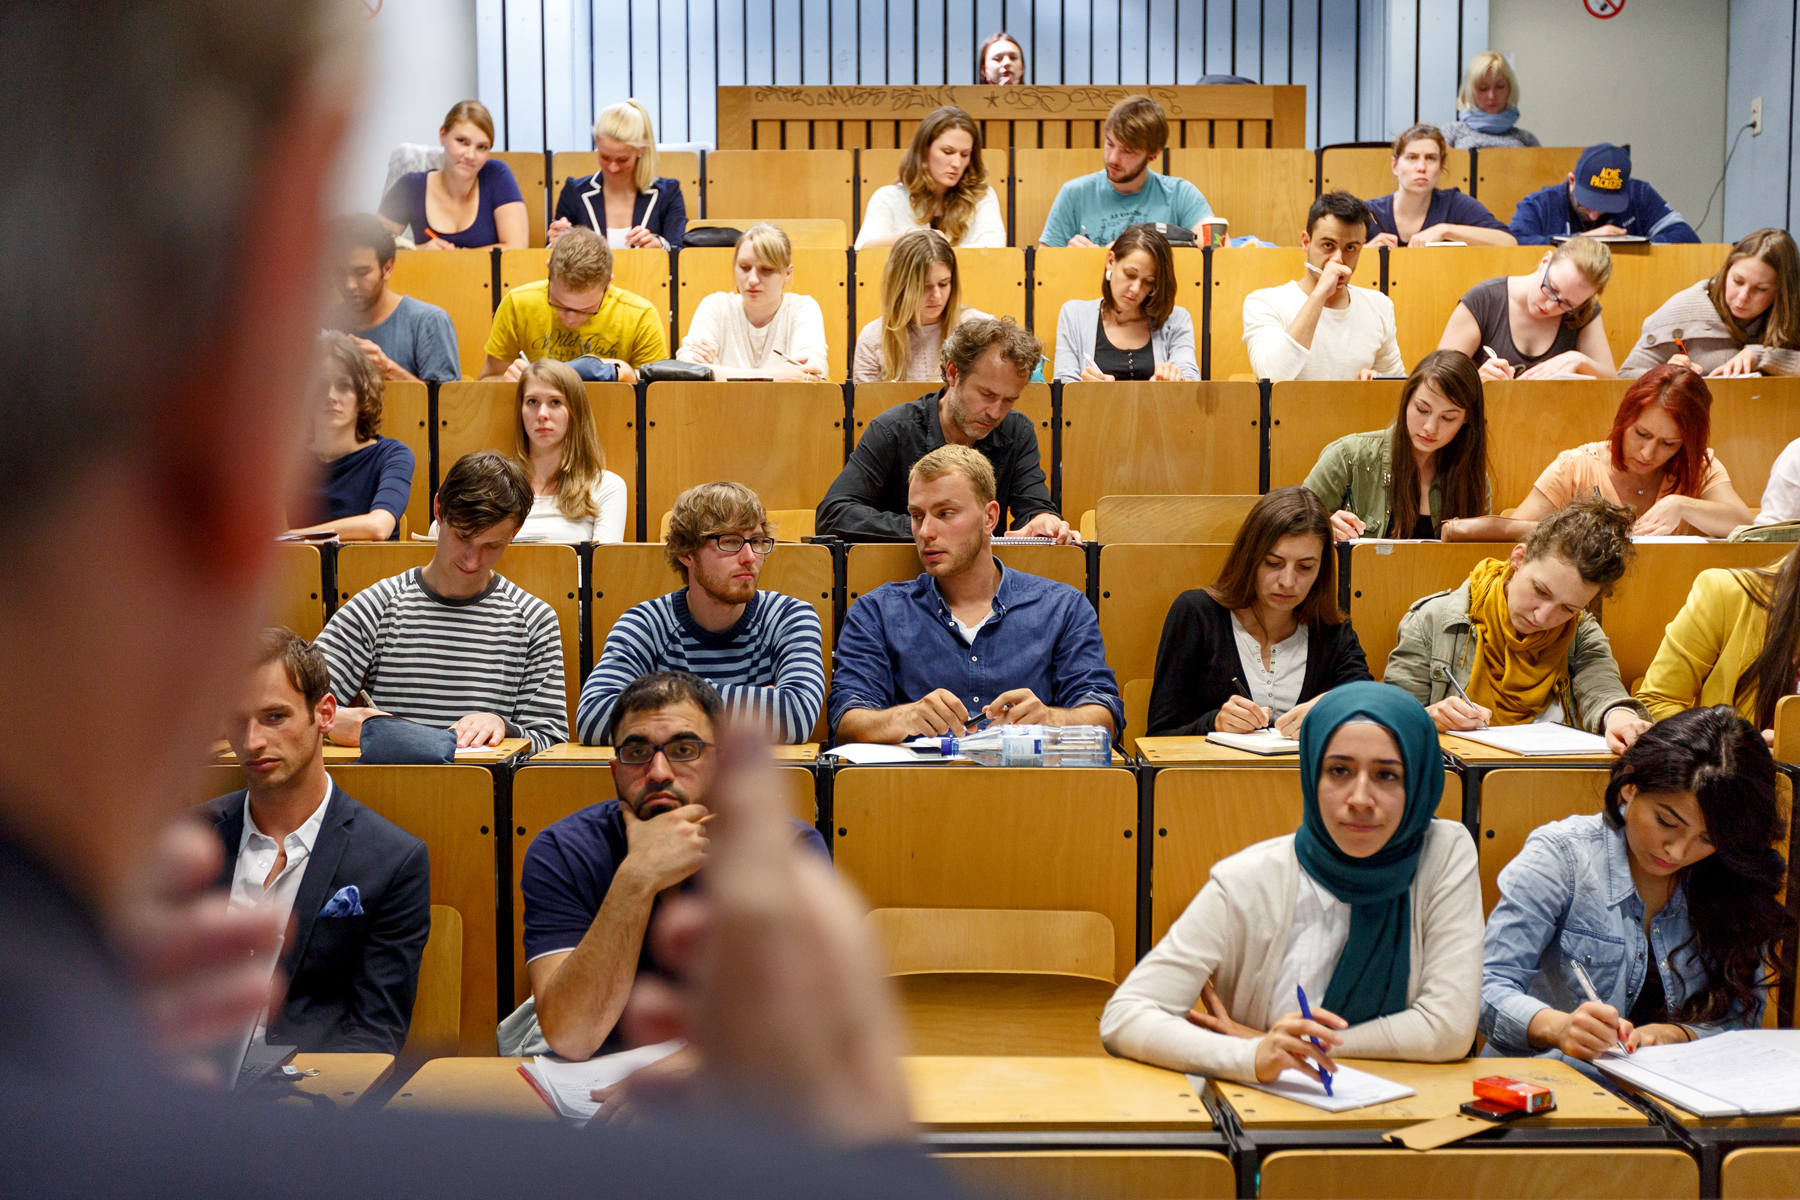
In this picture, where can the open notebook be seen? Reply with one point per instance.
(1747, 1072)
(1350, 1088)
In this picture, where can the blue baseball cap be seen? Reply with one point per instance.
(1603, 178)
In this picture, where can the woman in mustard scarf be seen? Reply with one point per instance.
(1517, 640)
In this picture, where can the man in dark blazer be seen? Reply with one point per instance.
(356, 886)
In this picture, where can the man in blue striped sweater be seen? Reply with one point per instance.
(763, 651)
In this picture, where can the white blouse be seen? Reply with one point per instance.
(797, 330)
(890, 214)
(1316, 942)
(1276, 689)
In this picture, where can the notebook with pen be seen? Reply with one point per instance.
(1261, 741)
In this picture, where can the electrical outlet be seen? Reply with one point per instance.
(1756, 116)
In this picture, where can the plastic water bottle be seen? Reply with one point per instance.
(1035, 746)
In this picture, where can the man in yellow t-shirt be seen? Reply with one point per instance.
(576, 311)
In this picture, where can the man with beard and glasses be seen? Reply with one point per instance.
(987, 363)
(1095, 209)
(969, 637)
(405, 338)
(762, 650)
(592, 880)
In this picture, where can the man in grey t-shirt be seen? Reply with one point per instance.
(406, 338)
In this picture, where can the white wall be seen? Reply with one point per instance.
(421, 60)
(1652, 77)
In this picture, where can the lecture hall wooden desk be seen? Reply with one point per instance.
(949, 1094)
(575, 752)
(1475, 754)
(1441, 1088)
(337, 756)
(1198, 752)
(343, 1077)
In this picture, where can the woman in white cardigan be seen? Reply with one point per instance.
(1373, 908)
(762, 329)
(1134, 329)
(943, 185)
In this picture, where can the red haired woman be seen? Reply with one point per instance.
(1656, 460)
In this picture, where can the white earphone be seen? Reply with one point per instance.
(1109, 274)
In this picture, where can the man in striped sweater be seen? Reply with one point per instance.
(452, 644)
(763, 651)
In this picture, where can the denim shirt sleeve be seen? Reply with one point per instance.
(1536, 889)
(1078, 664)
(862, 676)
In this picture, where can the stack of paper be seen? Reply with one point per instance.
(565, 1085)
(1350, 1089)
(865, 754)
(1536, 739)
(1747, 1072)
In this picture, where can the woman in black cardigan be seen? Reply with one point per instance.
(1269, 627)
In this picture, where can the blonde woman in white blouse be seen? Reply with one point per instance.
(943, 186)
(1373, 908)
(763, 329)
(575, 498)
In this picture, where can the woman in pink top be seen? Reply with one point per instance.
(1657, 461)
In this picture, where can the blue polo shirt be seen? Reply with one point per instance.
(1448, 206)
(900, 643)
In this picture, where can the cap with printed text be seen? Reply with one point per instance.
(1603, 178)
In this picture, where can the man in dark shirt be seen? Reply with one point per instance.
(591, 880)
(1602, 199)
(969, 637)
(987, 364)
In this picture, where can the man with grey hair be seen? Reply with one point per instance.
(138, 581)
(987, 363)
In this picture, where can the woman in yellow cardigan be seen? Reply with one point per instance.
(1736, 641)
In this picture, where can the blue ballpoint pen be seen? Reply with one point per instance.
(1306, 1011)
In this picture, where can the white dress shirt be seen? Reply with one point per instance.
(256, 858)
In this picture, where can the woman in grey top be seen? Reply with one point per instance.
(1134, 329)
(1744, 320)
(1666, 901)
(1487, 107)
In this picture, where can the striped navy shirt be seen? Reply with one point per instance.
(435, 660)
(769, 665)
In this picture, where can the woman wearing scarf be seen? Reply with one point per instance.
(1373, 908)
(1487, 107)
(1516, 636)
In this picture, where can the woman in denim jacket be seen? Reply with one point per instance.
(1667, 900)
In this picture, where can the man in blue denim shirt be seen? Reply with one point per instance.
(968, 636)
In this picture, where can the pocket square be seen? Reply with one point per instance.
(347, 903)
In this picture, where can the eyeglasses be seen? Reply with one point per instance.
(1549, 290)
(681, 749)
(731, 543)
(583, 313)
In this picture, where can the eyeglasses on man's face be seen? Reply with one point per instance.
(676, 750)
(731, 543)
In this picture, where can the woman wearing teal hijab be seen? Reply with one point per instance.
(1373, 907)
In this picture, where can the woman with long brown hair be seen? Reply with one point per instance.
(943, 186)
(1745, 319)
(1429, 467)
(1266, 640)
(921, 303)
(1133, 330)
(1736, 641)
(365, 478)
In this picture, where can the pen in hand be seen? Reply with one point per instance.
(1457, 687)
(1306, 1012)
(1587, 986)
(1239, 688)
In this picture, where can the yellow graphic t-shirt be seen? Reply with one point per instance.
(626, 327)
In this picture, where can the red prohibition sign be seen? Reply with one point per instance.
(372, 9)
(1606, 10)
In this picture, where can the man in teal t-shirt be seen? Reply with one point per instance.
(1092, 210)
